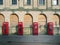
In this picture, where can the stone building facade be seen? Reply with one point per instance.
(29, 11)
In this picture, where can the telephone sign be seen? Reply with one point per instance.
(50, 28)
(20, 28)
(5, 28)
(35, 28)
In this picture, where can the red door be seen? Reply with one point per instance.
(20, 28)
(5, 28)
(35, 28)
(50, 28)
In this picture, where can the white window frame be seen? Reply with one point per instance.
(43, 3)
(14, 4)
(25, 2)
(2, 2)
(54, 2)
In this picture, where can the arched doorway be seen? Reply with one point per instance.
(42, 24)
(28, 20)
(13, 23)
(2, 18)
(55, 20)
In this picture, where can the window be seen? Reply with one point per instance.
(54, 2)
(27, 2)
(1, 2)
(41, 2)
(14, 2)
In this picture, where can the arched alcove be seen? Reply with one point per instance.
(55, 19)
(42, 24)
(13, 23)
(56, 22)
(2, 19)
(28, 20)
(13, 20)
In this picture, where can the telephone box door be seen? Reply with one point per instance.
(20, 28)
(5, 28)
(50, 28)
(35, 28)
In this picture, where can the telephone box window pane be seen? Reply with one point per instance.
(14, 2)
(1, 2)
(54, 2)
(41, 2)
(28, 2)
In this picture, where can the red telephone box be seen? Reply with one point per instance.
(5, 28)
(35, 28)
(50, 28)
(20, 28)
